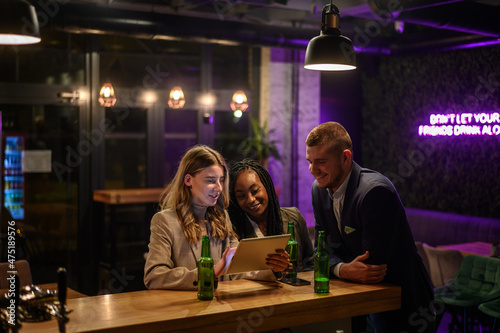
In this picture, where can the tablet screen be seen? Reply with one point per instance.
(251, 253)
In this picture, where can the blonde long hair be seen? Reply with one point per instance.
(177, 195)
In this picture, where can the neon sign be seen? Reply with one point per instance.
(456, 124)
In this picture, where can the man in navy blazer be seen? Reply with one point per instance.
(368, 236)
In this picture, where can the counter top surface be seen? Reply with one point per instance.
(262, 305)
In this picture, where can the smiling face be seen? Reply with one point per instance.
(251, 195)
(206, 186)
(328, 169)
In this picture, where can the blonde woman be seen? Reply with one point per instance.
(194, 205)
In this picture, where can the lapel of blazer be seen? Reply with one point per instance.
(349, 194)
(196, 250)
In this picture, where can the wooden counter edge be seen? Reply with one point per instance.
(128, 196)
(269, 316)
(275, 316)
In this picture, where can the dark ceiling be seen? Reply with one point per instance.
(375, 26)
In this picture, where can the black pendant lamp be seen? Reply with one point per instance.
(18, 23)
(330, 51)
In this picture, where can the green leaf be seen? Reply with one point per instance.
(258, 146)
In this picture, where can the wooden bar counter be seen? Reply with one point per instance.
(239, 304)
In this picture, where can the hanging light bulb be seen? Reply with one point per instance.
(176, 98)
(237, 114)
(107, 95)
(239, 102)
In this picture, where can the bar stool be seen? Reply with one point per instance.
(477, 281)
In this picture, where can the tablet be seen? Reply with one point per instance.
(251, 253)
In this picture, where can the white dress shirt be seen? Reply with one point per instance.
(338, 203)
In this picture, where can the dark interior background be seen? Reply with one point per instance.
(455, 174)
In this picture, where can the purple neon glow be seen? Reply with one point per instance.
(471, 45)
(456, 124)
(388, 51)
(375, 49)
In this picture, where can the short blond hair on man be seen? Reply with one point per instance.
(332, 134)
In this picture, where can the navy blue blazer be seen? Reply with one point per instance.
(374, 219)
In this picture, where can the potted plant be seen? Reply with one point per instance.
(258, 146)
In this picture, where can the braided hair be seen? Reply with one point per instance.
(238, 216)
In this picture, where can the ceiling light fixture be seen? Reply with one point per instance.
(330, 51)
(239, 103)
(107, 96)
(19, 23)
(176, 98)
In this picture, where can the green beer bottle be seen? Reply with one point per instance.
(292, 250)
(321, 266)
(205, 271)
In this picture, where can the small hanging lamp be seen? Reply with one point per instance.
(176, 98)
(107, 96)
(330, 51)
(239, 103)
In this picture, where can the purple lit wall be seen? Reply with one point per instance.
(341, 101)
(293, 95)
(430, 123)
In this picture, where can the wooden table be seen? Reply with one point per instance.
(241, 304)
(112, 200)
(128, 196)
(477, 248)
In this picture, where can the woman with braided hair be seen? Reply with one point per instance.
(255, 211)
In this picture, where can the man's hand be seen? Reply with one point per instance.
(358, 271)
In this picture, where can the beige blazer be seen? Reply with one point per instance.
(171, 262)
